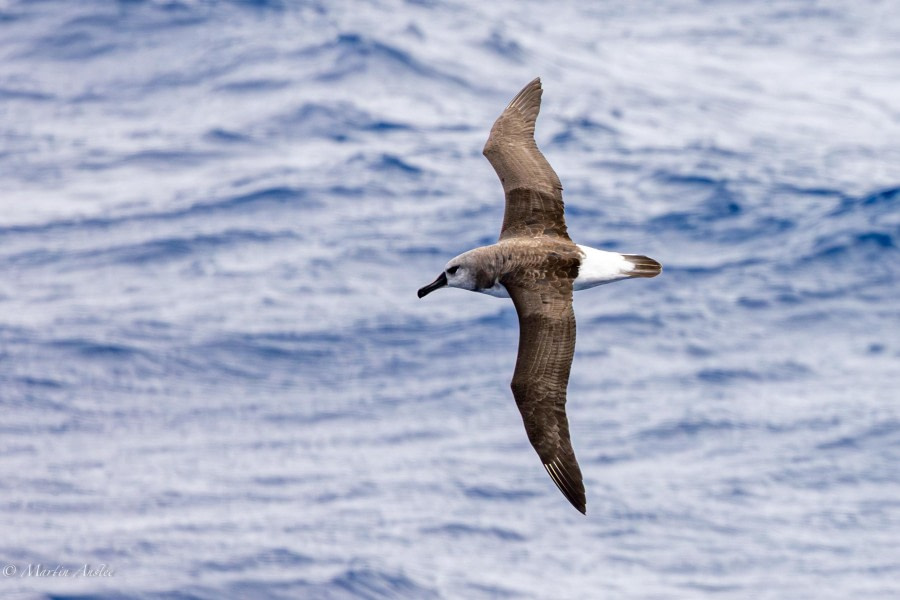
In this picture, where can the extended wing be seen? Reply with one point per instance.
(546, 348)
(534, 204)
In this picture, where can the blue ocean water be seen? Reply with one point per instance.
(216, 379)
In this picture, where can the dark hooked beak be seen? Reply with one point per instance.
(440, 282)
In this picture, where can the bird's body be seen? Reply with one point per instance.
(537, 265)
(595, 267)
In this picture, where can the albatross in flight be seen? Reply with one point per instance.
(537, 265)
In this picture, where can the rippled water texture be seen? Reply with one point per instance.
(217, 380)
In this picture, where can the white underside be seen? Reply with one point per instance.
(597, 268)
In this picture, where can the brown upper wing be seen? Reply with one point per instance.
(534, 204)
(546, 348)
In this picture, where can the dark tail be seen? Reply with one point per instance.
(644, 266)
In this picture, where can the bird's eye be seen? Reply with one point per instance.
(452, 270)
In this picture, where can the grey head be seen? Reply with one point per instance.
(468, 271)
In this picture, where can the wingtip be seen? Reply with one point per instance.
(529, 96)
(572, 489)
(580, 507)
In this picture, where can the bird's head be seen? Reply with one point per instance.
(460, 272)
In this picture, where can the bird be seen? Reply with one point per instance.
(536, 264)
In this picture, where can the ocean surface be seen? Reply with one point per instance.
(216, 380)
